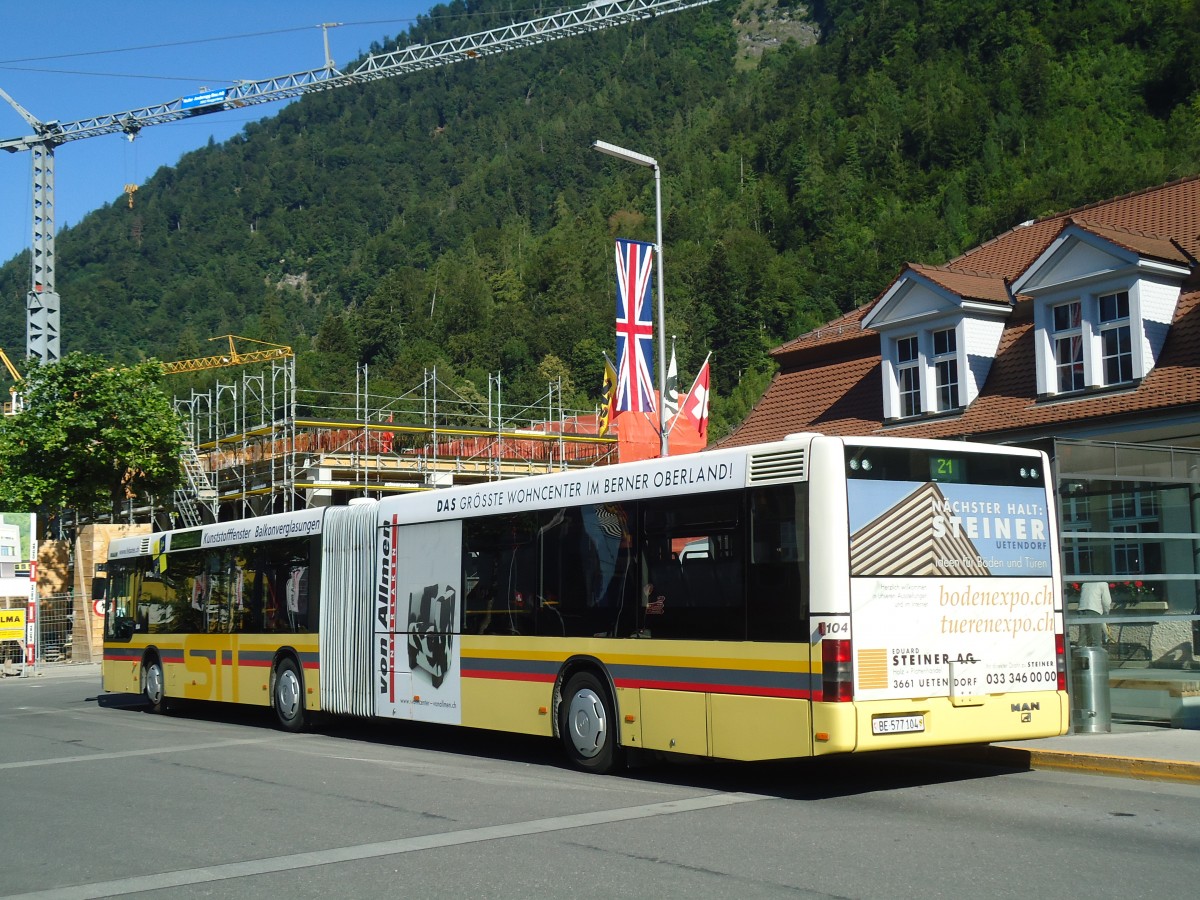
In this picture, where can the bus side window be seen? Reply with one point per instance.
(276, 588)
(776, 576)
(168, 594)
(695, 546)
(148, 594)
(217, 579)
(588, 573)
(500, 574)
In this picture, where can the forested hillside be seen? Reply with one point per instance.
(459, 217)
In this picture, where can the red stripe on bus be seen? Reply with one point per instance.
(712, 688)
(548, 678)
(660, 685)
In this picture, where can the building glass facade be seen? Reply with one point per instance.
(1130, 530)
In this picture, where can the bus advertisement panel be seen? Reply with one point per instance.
(419, 569)
(951, 587)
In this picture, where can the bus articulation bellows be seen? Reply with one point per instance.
(810, 596)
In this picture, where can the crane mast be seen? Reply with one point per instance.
(42, 305)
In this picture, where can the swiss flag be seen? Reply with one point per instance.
(694, 409)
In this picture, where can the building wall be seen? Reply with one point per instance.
(91, 550)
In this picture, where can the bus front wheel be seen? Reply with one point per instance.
(288, 696)
(153, 685)
(588, 725)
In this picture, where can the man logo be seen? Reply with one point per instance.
(1025, 707)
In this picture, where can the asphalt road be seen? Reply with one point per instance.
(103, 799)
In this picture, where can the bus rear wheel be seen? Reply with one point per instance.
(288, 696)
(587, 725)
(153, 685)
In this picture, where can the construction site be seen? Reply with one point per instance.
(259, 444)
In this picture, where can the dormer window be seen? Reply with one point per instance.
(1091, 342)
(1068, 346)
(938, 332)
(1103, 301)
(1116, 345)
(908, 376)
(945, 366)
(924, 373)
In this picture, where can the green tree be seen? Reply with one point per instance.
(90, 436)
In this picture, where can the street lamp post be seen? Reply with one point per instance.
(650, 162)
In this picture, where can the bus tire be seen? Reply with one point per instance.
(154, 685)
(588, 725)
(287, 696)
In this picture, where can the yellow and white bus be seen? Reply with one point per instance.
(811, 596)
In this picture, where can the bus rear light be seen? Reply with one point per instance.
(1060, 660)
(837, 676)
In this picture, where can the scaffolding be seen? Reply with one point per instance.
(261, 445)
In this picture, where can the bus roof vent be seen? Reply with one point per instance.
(780, 465)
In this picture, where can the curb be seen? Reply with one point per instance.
(1088, 763)
(1127, 767)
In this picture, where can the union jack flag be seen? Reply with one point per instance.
(635, 328)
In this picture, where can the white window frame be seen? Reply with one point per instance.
(948, 390)
(1114, 329)
(923, 388)
(1092, 334)
(1068, 337)
(909, 395)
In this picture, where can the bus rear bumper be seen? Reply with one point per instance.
(937, 721)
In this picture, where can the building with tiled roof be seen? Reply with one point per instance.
(1079, 334)
(1082, 324)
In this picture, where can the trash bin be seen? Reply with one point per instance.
(1091, 705)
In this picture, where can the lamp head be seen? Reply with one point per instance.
(639, 159)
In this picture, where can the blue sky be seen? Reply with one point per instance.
(72, 60)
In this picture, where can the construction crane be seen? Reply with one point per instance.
(42, 303)
(233, 358)
(14, 404)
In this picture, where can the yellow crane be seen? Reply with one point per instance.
(234, 357)
(15, 403)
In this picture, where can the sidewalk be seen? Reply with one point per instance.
(53, 670)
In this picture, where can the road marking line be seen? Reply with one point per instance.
(250, 868)
(121, 754)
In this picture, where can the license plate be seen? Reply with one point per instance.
(897, 724)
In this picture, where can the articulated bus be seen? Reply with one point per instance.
(810, 596)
